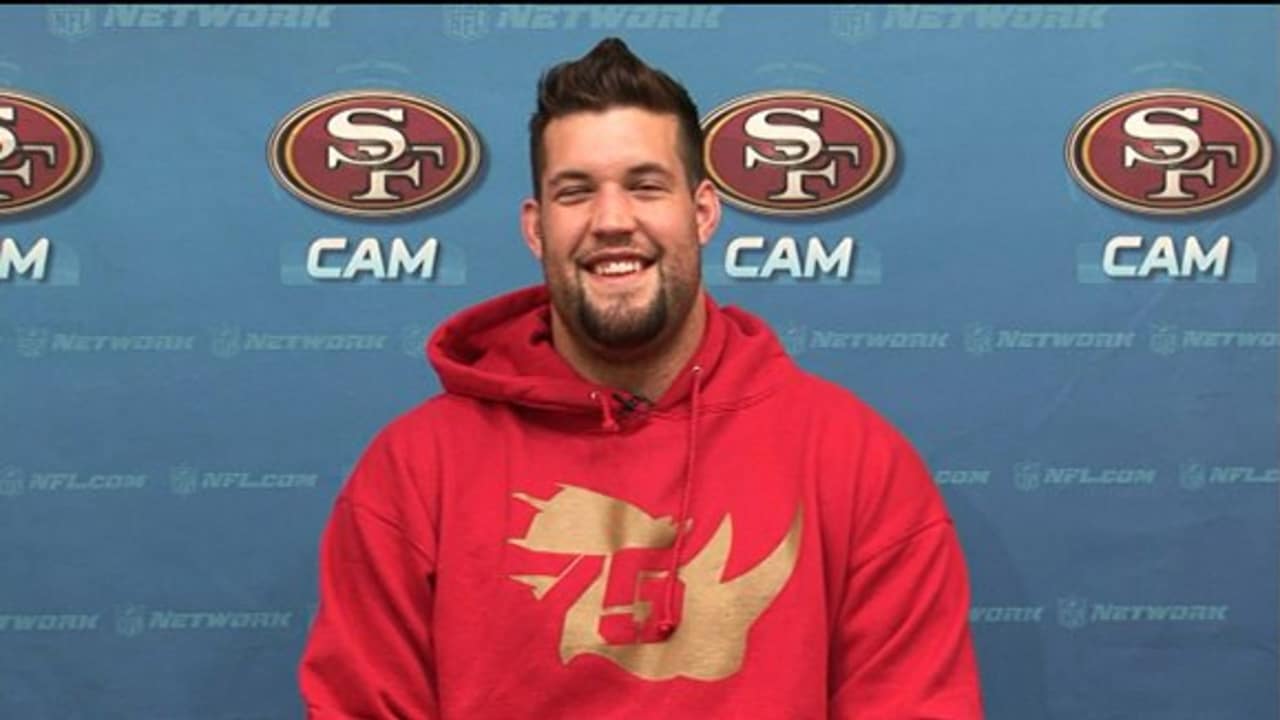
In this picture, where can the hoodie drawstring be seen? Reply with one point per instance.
(668, 624)
(607, 412)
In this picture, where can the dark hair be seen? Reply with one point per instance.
(612, 76)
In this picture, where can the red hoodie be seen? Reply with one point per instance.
(757, 544)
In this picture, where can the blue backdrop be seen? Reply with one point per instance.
(180, 400)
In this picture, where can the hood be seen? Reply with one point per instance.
(501, 350)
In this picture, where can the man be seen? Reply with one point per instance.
(628, 502)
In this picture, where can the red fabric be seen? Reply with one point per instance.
(508, 482)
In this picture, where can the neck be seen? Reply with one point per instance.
(647, 372)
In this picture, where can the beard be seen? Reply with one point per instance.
(621, 327)
(622, 324)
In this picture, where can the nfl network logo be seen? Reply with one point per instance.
(184, 480)
(1192, 476)
(131, 620)
(70, 22)
(852, 24)
(1073, 612)
(1026, 476)
(225, 341)
(32, 342)
(12, 482)
(979, 339)
(1164, 339)
(796, 339)
(465, 22)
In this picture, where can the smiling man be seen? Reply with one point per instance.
(628, 502)
(619, 224)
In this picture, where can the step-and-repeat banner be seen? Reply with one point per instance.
(1040, 239)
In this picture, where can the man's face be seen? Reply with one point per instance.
(618, 229)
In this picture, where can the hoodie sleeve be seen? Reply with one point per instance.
(902, 645)
(369, 653)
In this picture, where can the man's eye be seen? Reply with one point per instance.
(570, 193)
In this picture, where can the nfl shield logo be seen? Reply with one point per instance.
(71, 22)
(131, 620)
(12, 482)
(1192, 476)
(466, 22)
(413, 341)
(1073, 612)
(1026, 476)
(184, 480)
(226, 341)
(32, 342)
(978, 339)
(796, 339)
(1164, 339)
(852, 24)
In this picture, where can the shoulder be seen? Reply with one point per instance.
(401, 459)
(871, 462)
(836, 410)
(425, 421)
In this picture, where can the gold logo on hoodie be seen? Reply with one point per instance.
(615, 615)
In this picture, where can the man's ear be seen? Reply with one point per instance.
(706, 211)
(531, 226)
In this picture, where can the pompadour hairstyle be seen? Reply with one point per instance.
(612, 76)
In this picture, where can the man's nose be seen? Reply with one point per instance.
(613, 212)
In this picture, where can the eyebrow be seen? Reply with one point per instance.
(649, 169)
(572, 175)
(567, 176)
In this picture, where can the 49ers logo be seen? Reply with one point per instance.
(795, 152)
(44, 152)
(1168, 152)
(373, 152)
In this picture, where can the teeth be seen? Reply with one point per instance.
(618, 267)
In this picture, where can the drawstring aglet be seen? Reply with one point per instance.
(606, 411)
